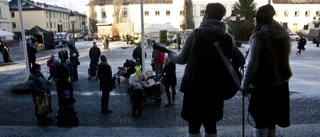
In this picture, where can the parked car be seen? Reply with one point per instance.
(294, 37)
(63, 39)
(88, 37)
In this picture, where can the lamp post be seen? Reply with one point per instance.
(317, 22)
(72, 19)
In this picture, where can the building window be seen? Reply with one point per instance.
(103, 13)
(50, 24)
(286, 13)
(168, 12)
(125, 12)
(296, 13)
(47, 24)
(305, 27)
(54, 24)
(47, 14)
(307, 13)
(157, 13)
(285, 24)
(181, 12)
(146, 13)
(14, 25)
(12, 15)
(202, 9)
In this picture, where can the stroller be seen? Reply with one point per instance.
(92, 71)
(125, 71)
(66, 114)
(150, 86)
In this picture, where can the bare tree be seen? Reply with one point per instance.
(187, 22)
(92, 18)
(118, 17)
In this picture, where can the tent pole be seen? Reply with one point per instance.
(142, 37)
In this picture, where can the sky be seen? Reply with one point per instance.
(78, 5)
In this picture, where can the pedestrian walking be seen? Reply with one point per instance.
(106, 83)
(301, 43)
(201, 102)
(41, 95)
(94, 54)
(268, 70)
(74, 59)
(106, 43)
(169, 81)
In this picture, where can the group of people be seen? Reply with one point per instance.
(266, 74)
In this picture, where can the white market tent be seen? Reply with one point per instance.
(5, 33)
(154, 31)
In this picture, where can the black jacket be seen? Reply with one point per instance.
(94, 54)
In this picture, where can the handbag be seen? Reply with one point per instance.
(43, 103)
(234, 86)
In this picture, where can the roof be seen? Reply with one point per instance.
(36, 30)
(161, 27)
(31, 5)
(127, 2)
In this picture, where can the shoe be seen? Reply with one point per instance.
(133, 114)
(106, 111)
(172, 103)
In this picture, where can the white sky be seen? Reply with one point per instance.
(78, 5)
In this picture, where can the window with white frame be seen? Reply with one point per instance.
(0, 12)
(157, 13)
(202, 10)
(286, 13)
(14, 25)
(307, 13)
(12, 14)
(103, 13)
(125, 12)
(146, 13)
(168, 13)
(296, 13)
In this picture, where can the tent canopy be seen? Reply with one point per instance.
(47, 36)
(167, 27)
(5, 33)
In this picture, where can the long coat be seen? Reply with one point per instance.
(105, 77)
(200, 84)
(169, 74)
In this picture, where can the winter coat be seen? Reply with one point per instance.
(63, 55)
(74, 55)
(50, 65)
(200, 84)
(137, 54)
(105, 77)
(94, 54)
(31, 54)
(169, 74)
(38, 85)
(268, 69)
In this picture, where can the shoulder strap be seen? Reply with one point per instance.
(228, 64)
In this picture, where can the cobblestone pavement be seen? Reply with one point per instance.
(17, 114)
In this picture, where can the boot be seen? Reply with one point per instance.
(260, 132)
(103, 106)
(169, 101)
(210, 135)
(193, 135)
(271, 132)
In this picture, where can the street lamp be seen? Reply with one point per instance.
(317, 22)
(72, 19)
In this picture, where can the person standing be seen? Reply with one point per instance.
(106, 43)
(301, 43)
(137, 53)
(74, 59)
(50, 65)
(39, 87)
(158, 59)
(94, 54)
(201, 103)
(62, 78)
(268, 70)
(63, 55)
(169, 81)
(106, 83)
(31, 54)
